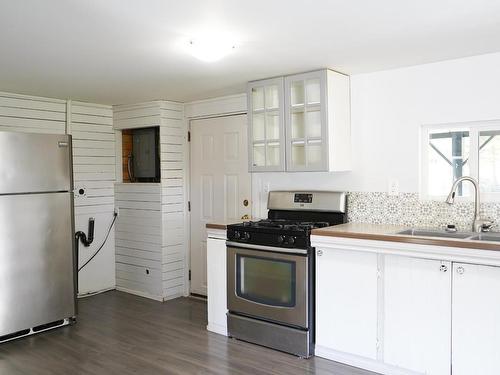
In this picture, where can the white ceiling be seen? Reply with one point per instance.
(125, 51)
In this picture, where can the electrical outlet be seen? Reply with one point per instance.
(80, 191)
(393, 186)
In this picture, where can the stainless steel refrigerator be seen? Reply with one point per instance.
(37, 254)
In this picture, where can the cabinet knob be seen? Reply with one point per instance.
(319, 252)
(443, 268)
(460, 270)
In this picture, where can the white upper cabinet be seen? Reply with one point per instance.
(266, 130)
(317, 121)
(300, 123)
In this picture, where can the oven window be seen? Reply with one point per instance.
(265, 280)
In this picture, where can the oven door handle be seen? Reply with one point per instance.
(266, 248)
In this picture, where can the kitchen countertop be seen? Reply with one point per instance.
(382, 232)
(221, 224)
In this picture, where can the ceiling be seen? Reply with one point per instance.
(125, 51)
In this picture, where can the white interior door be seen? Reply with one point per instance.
(220, 183)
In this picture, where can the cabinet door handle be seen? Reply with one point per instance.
(443, 268)
(319, 252)
(460, 270)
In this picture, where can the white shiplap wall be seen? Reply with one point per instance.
(173, 148)
(91, 126)
(21, 113)
(152, 237)
(139, 239)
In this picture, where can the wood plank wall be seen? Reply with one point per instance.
(21, 113)
(151, 266)
(91, 126)
(139, 239)
(94, 165)
(127, 140)
(173, 150)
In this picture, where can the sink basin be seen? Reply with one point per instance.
(486, 237)
(435, 233)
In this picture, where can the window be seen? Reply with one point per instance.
(455, 150)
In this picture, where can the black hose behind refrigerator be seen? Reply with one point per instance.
(88, 240)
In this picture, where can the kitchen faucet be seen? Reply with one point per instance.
(479, 224)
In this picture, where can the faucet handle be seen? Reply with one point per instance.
(486, 225)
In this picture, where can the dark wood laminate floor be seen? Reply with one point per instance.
(118, 333)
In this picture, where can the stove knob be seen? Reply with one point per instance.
(291, 240)
(280, 239)
(237, 235)
(246, 236)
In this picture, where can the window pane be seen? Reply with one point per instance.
(272, 126)
(258, 98)
(273, 154)
(272, 97)
(259, 155)
(297, 94)
(258, 127)
(448, 160)
(489, 161)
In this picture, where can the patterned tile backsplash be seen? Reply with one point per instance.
(406, 209)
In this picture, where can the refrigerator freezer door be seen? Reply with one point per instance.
(34, 163)
(37, 283)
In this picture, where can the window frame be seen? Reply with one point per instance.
(474, 128)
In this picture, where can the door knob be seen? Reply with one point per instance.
(245, 202)
(443, 268)
(245, 217)
(460, 270)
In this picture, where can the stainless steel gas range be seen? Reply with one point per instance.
(270, 270)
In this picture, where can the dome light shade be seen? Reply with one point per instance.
(210, 49)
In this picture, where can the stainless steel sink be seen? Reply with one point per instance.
(495, 237)
(435, 233)
(486, 237)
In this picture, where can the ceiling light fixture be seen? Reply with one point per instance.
(211, 48)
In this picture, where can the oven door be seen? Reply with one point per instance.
(267, 283)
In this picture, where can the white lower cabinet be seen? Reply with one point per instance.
(216, 283)
(416, 310)
(346, 303)
(476, 319)
(408, 314)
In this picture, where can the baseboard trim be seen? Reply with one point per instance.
(90, 294)
(173, 296)
(140, 294)
(217, 328)
(361, 362)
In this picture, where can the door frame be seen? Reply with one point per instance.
(226, 106)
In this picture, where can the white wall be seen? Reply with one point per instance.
(388, 108)
(93, 164)
(151, 253)
(91, 126)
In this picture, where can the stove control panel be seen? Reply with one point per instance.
(268, 239)
(302, 198)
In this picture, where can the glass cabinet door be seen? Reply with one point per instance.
(266, 125)
(305, 121)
